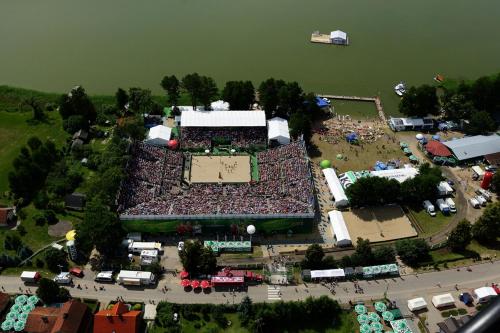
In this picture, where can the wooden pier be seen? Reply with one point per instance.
(321, 38)
(376, 100)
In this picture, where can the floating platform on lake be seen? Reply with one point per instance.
(335, 38)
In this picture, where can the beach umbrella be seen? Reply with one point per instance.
(380, 306)
(363, 319)
(12, 315)
(7, 325)
(365, 328)
(407, 151)
(70, 235)
(22, 299)
(195, 284)
(419, 136)
(19, 326)
(388, 316)
(376, 269)
(16, 308)
(205, 284)
(325, 164)
(23, 316)
(403, 144)
(339, 156)
(376, 326)
(33, 299)
(373, 316)
(184, 274)
(413, 158)
(360, 309)
(28, 308)
(185, 283)
(436, 137)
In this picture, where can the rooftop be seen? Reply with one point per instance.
(474, 146)
(223, 119)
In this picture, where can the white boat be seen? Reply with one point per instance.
(400, 88)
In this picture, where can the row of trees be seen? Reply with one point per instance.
(76, 110)
(372, 191)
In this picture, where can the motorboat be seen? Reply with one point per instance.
(400, 88)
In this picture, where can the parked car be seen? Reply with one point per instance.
(466, 298)
(482, 201)
(486, 194)
(180, 246)
(491, 168)
(474, 203)
(429, 208)
(76, 271)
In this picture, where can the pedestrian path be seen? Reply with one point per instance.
(273, 293)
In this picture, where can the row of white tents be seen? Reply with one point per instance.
(336, 189)
(482, 294)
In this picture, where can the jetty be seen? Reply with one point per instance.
(336, 37)
(375, 99)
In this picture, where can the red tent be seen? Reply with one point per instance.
(205, 284)
(173, 144)
(195, 284)
(185, 283)
(184, 275)
(437, 148)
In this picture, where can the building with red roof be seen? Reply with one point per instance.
(6, 215)
(436, 148)
(118, 319)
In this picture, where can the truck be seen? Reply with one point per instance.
(443, 207)
(135, 278)
(429, 208)
(451, 204)
(486, 194)
(63, 278)
(482, 201)
(474, 203)
(444, 189)
(106, 276)
(30, 277)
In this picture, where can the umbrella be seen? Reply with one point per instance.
(376, 326)
(419, 136)
(360, 309)
(22, 299)
(363, 319)
(22, 316)
(195, 284)
(388, 316)
(7, 325)
(339, 156)
(16, 308)
(184, 274)
(185, 283)
(436, 137)
(19, 326)
(407, 151)
(33, 299)
(373, 316)
(380, 306)
(205, 284)
(70, 235)
(365, 328)
(403, 144)
(413, 158)
(12, 316)
(377, 269)
(28, 308)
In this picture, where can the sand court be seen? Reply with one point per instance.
(378, 224)
(220, 169)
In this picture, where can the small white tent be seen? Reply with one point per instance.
(277, 129)
(339, 228)
(158, 135)
(220, 106)
(335, 187)
(443, 300)
(416, 304)
(484, 294)
(338, 37)
(328, 273)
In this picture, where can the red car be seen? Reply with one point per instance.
(76, 272)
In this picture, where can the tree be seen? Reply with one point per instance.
(423, 186)
(383, 254)
(121, 97)
(461, 236)
(100, 228)
(172, 87)
(364, 251)
(208, 91)
(245, 310)
(75, 123)
(12, 242)
(56, 260)
(300, 124)
(140, 100)
(290, 99)
(35, 106)
(196, 259)
(156, 269)
(419, 101)
(412, 251)
(480, 122)
(239, 94)
(487, 227)
(50, 292)
(314, 256)
(77, 103)
(373, 191)
(495, 182)
(268, 95)
(192, 84)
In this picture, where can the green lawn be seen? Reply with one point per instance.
(256, 253)
(430, 224)
(356, 109)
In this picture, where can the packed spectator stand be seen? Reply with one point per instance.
(241, 137)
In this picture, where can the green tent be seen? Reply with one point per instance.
(325, 164)
(23, 316)
(19, 326)
(380, 306)
(407, 151)
(28, 308)
(22, 299)
(16, 308)
(403, 144)
(376, 270)
(367, 271)
(12, 316)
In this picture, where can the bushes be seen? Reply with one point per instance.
(12, 242)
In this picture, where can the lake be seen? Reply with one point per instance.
(52, 45)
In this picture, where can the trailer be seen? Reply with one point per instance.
(443, 206)
(135, 278)
(451, 204)
(30, 277)
(225, 281)
(444, 189)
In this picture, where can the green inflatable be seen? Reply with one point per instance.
(325, 164)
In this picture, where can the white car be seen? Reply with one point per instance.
(482, 201)
(474, 203)
(180, 246)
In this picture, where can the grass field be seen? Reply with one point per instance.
(357, 110)
(429, 224)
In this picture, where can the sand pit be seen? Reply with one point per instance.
(220, 169)
(378, 224)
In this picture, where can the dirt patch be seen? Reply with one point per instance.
(60, 228)
(220, 169)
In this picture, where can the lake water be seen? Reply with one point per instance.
(102, 44)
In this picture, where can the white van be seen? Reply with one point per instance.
(451, 204)
(429, 208)
(474, 203)
(443, 207)
(486, 194)
(482, 201)
(63, 278)
(104, 277)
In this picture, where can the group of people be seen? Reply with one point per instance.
(243, 137)
(285, 187)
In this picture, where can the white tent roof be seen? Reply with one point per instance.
(220, 106)
(474, 146)
(477, 169)
(399, 174)
(135, 275)
(223, 118)
(327, 273)
(485, 292)
(443, 300)
(417, 304)
(335, 187)
(278, 127)
(159, 132)
(338, 226)
(338, 34)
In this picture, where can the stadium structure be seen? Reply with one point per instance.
(223, 176)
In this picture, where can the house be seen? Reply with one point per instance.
(338, 37)
(452, 324)
(411, 124)
(72, 317)
(75, 201)
(277, 131)
(158, 135)
(6, 216)
(118, 319)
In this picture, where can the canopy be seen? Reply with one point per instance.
(195, 284)
(373, 316)
(159, 135)
(413, 158)
(184, 274)
(403, 144)
(363, 319)
(70, 235)
(400, 326)
(205, 284)
(28, 308)
(339, 156)
(335, 187)
(327, 273)
(33, 299)
(173, 144)
(437, 148)
(23, 316)
(339, 228)
(365, 328)
(185, 283)
(16, 308)
(351, 137)
(321, 102)
(407, 151)
(22, 299)
(376, 326)
(387, 315)
(416, 304)
(12, 315)
(419, 136)
(325, 164)
(7, 325)
(485, 293)
(19, 326)
(436, 137)
(277, 129)
(360, 309)
(443, 300)
(380, 306)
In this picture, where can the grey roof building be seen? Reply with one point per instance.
(474, 146)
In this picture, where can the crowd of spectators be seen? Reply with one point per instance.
(285, 187)
(242, 137)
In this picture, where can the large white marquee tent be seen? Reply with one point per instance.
(277, 129)
(339, 228)
(158, 135)
(336, 189)
(223, 119)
